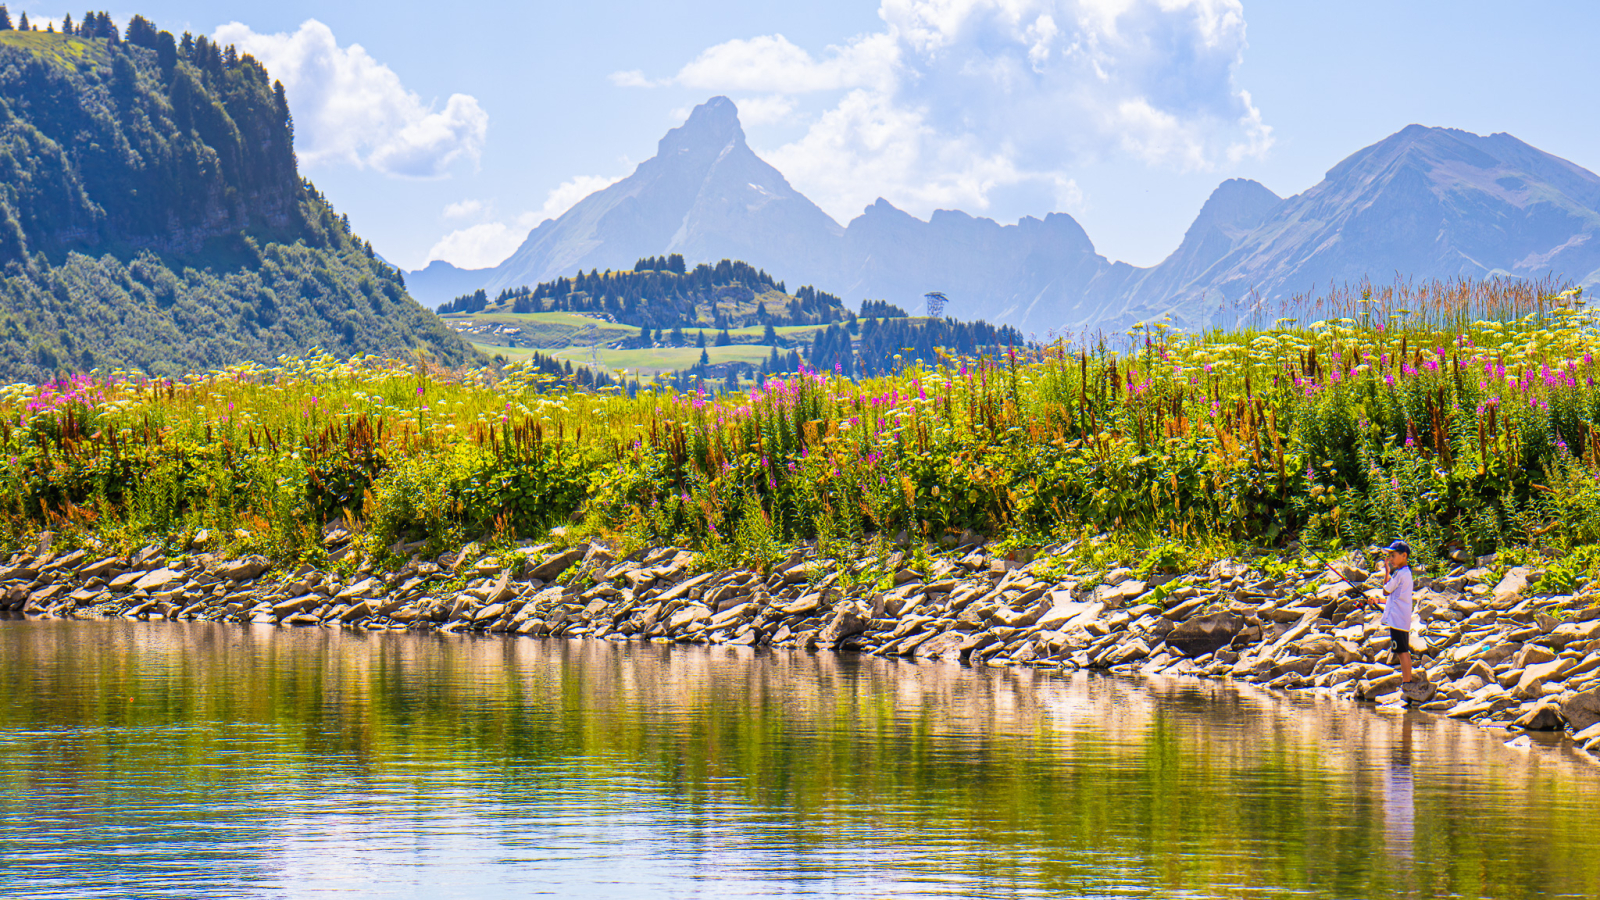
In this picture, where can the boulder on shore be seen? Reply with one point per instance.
(1205, 634)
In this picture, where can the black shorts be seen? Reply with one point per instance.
(1399, 641)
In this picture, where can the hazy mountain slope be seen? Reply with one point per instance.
(440, 282)
(1031, 274)
(1422, 203)
(151, 217)
(704, 194)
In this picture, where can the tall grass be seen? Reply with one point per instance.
(1446, 413)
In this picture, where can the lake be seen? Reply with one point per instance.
(155, 760)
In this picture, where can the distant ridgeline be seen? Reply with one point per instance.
(152, 216)
(660, 292)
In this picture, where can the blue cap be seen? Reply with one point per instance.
(1400, 547)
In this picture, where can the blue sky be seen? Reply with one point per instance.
(448, 130)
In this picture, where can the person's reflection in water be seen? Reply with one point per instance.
(1398, 812)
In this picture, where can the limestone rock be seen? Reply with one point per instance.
(156, 579)
(1544, 717)
(1065, 612)
(1582, 709)
(687, 616)
(946, 646)
(366, 587)
(245, 568)
(1205, 634)
(556, 563)
(1372, 688)
(1132, 651)
(1531, 654)
(361, 610)
(1531, 685)
(100, 568)
(1511, 586)
(848, 619)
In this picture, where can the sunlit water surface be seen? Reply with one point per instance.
(142, 760)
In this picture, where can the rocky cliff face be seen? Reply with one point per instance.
(152, 218)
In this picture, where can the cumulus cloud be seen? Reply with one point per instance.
(349, 108)
(765, 110)
(565, 195)
(480, 246)
(463, 209)
(956, 99)
(489, 243)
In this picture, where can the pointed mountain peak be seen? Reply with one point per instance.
(711, 126)
(1237, 202)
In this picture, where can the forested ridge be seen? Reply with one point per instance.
(152, 216)
(662, 292)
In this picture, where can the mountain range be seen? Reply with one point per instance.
(1422, 203)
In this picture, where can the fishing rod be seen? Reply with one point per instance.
(1331, 568)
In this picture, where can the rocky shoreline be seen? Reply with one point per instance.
(1498, 653)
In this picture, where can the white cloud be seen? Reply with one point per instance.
(464, 209)
(479, 246)
(565, 195)
(349, 108)
(765, 110)
(631, 78)
(489, 243)
(774, 65)
(956, 99)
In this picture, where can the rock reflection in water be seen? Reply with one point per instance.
(320, 760)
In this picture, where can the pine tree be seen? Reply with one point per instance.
(141, 33)
(22, 24)
(705, 359)
(66, 24)
(700, 340)
(724, 339)
(167, 57)
(5, 18)
(769, 336)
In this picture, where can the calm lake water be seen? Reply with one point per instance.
(202, 760)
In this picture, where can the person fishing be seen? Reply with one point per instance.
(1397, 586)
(1397, 608)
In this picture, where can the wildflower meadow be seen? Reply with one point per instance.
(1453, 414)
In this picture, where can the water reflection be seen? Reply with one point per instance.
(1399, 807)
(244, 762)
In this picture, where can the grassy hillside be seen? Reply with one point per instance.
(152, 218)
